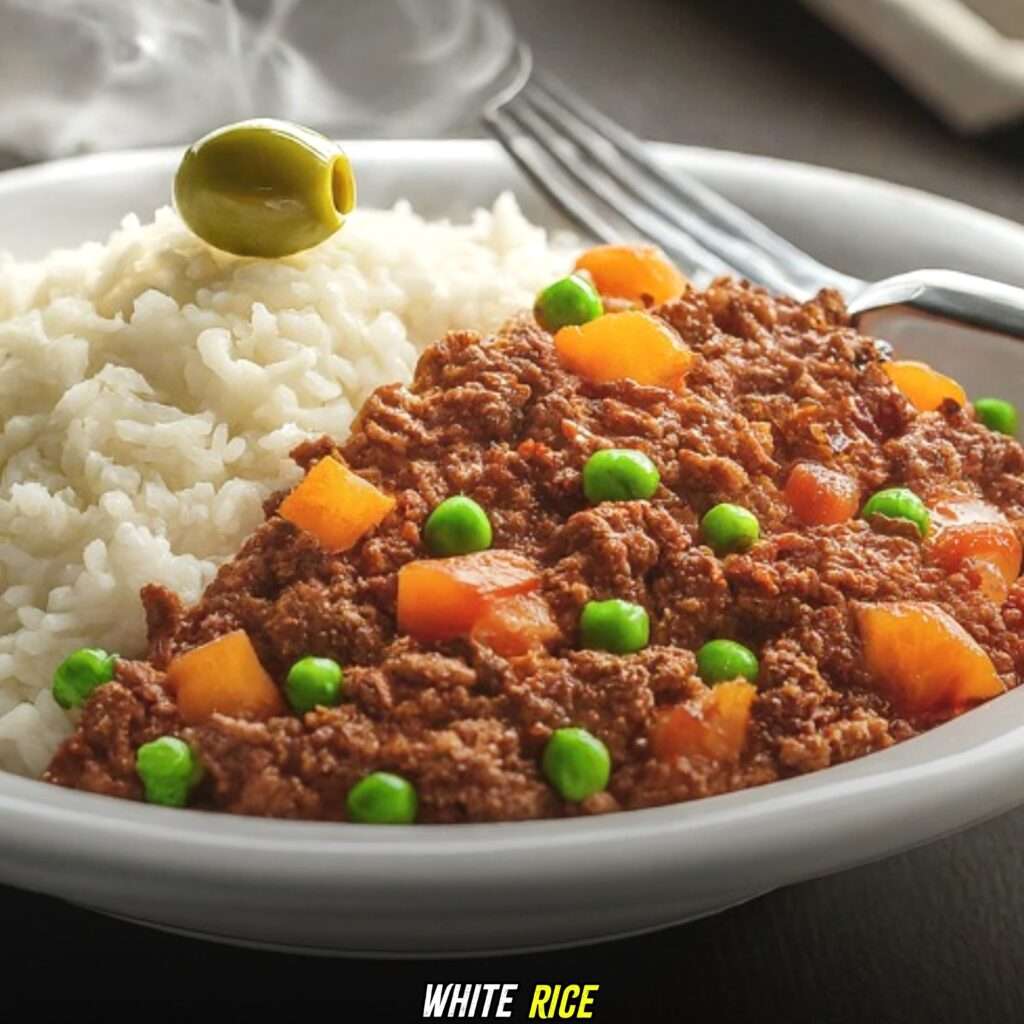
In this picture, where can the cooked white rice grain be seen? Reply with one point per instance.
(151, 389)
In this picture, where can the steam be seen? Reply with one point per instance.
(80, 75)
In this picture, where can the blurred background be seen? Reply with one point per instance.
(928, 93)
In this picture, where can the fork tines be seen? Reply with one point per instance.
(604, 178)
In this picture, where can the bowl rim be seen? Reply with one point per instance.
(697, 159)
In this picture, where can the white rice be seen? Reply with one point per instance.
(151, 389)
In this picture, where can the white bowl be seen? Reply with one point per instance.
(484, 888)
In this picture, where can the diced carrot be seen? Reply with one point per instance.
(630, 344)
(970, 534)
(223, 676)
(923, 660)
(442, 598)
(716, 730)
(335, 505)
(926, 389)
(515, 625)
(988, 542)
(640, 273)
(819, 495)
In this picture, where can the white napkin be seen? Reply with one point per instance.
(965, 58)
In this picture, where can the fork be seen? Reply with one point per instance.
(605, 180)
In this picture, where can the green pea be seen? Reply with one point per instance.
(264, 188)
(457, 526)
(619, 474)
(898, 503)
(169, 771)
(571, 300)
(617, 626)
(729, 528)
(314, 682)
(80, 673)
(997, 414)
(382, 799)
(576, 763)
(720, 661)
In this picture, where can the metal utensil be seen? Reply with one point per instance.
(603, 178)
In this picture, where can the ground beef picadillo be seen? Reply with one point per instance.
(774, 382)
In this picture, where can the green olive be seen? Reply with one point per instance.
(264, 188)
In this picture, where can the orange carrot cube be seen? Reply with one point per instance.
(630, 344)
(223, 676)
(335, 505)
(926, 389)
(820, 496)
(970, 534)
(515, 625)
(716, 730)
(923, 660)
(443, 598)
(639, 273)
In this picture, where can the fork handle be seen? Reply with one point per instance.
(951, 295)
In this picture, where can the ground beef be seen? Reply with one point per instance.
(773, 382)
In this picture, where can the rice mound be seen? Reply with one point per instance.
(151, 389)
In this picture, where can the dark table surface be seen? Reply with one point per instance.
(932, 935)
